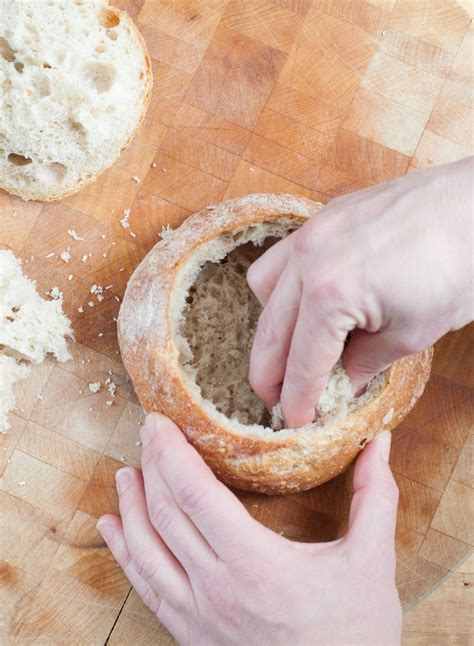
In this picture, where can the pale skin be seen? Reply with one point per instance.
(205, 567)
(213, 575)
(392, 264)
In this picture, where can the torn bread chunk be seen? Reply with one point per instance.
(31, 327)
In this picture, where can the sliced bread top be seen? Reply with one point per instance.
(75, 81)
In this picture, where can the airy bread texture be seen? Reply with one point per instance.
(75, 82)
(30, 328)
(186, 327)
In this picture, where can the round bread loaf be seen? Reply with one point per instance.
(75, 81)
(186, 328)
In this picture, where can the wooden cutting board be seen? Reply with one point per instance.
(314, 97)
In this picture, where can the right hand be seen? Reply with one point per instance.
(392, 264)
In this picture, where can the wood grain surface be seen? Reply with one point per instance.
(314, 97)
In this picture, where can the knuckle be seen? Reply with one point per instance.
(153, 454)
(123, 558)
(191, 499)
(297, 378)
(144, 565)
(266, 330)
(329, 290)
(161, 513)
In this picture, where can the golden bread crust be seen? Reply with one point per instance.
(268, 462)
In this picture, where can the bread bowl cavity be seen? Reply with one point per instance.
(75, 82)
(215, 317)
(186, 327)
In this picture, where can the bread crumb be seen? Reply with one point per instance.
(124, 221)
(388, 416)
(153, 165)
(166, 230)
(111, 386)
(104, 255)
(164, 170)
(134, 235)
(40, 397)
(70, 277)
(91, 303)
(109, 402)
(55, 293)
(117, 299)
(22, 483)
(100, 335)
(74, 235)
(49, 255)
(138, 443)
(95, 387)
(103, 236)
(65, 256)
(80, 309)
(85, 257)
(136, 179)
(96, 289)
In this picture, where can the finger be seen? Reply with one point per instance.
(317, 343)
(171, 522)
(367, 354)
(273, 338)
(111, 530)
(373, 513)
(152, 559)
(214, 510)
(264, 273)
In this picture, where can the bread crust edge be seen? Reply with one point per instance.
(271, 463)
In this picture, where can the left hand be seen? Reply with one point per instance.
(213, 575)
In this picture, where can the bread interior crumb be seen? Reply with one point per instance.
(217, 329)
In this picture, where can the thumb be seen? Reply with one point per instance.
(373, 513)
(368, 353)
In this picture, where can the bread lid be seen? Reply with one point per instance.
(76, 81)
(185, 331)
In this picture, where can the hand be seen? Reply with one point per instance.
(213, 575)
(393, 263)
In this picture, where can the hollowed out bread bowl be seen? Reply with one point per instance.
(186, 327)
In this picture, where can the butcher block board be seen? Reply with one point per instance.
(312, 97)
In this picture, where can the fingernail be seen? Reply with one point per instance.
(122, 478)
(105, 528)
(152, 422)
(384, 440)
